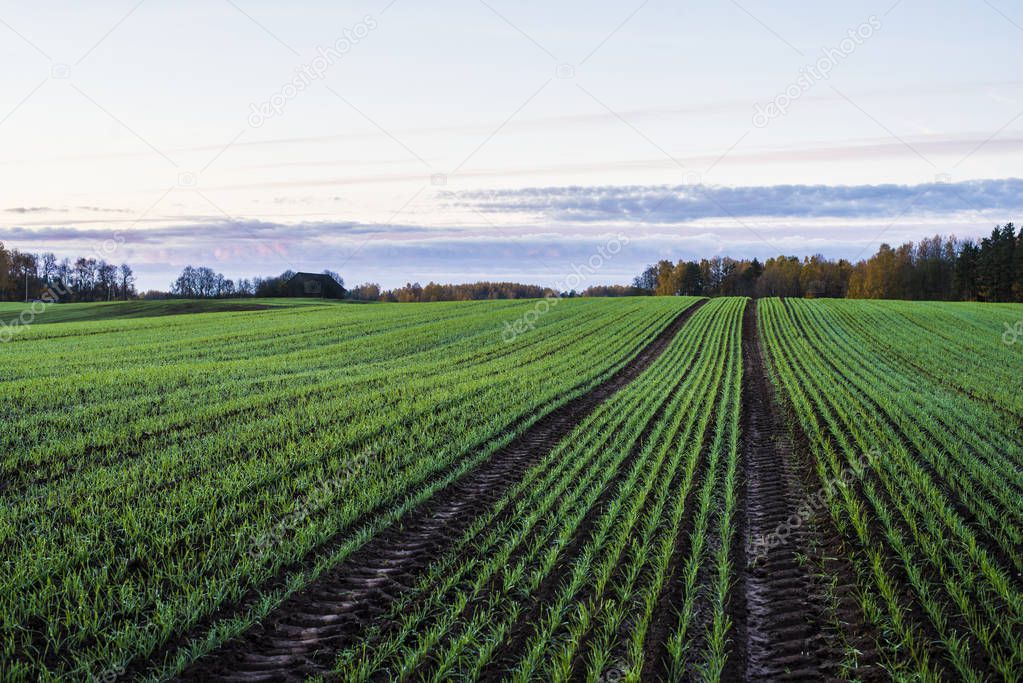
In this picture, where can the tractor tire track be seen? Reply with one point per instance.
(786, 612)
(301, 637)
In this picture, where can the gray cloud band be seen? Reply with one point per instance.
(682, 203)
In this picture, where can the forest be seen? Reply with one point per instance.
(30, 277)
(935, 269)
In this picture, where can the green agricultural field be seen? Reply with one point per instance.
(923, 404)
(649, 488)
(42, 313)
(145, 461)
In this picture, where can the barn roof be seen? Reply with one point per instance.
(315, 275)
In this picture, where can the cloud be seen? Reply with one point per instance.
(47, 209)
(861, 150)
(704, 109)
(210, 231)
(687, 203)
(34, 209)
(100, 209)
(660, 222)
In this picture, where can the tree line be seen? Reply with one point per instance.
(33, 277)
(936, 268)
(204, 283)
(414, 292)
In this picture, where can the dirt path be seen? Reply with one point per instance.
(787, 624)
(301, 637)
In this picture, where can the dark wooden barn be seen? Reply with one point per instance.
(314, 285)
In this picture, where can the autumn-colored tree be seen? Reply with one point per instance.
(666, 284)
(367, 291)
(780, 277)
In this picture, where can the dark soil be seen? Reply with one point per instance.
(788, 632)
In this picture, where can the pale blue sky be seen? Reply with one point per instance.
(439, 140)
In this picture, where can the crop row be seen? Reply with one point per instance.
(925, 336)
(627, 523)
(933, 516)
(139, 492)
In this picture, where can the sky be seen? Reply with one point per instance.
(462, 140)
